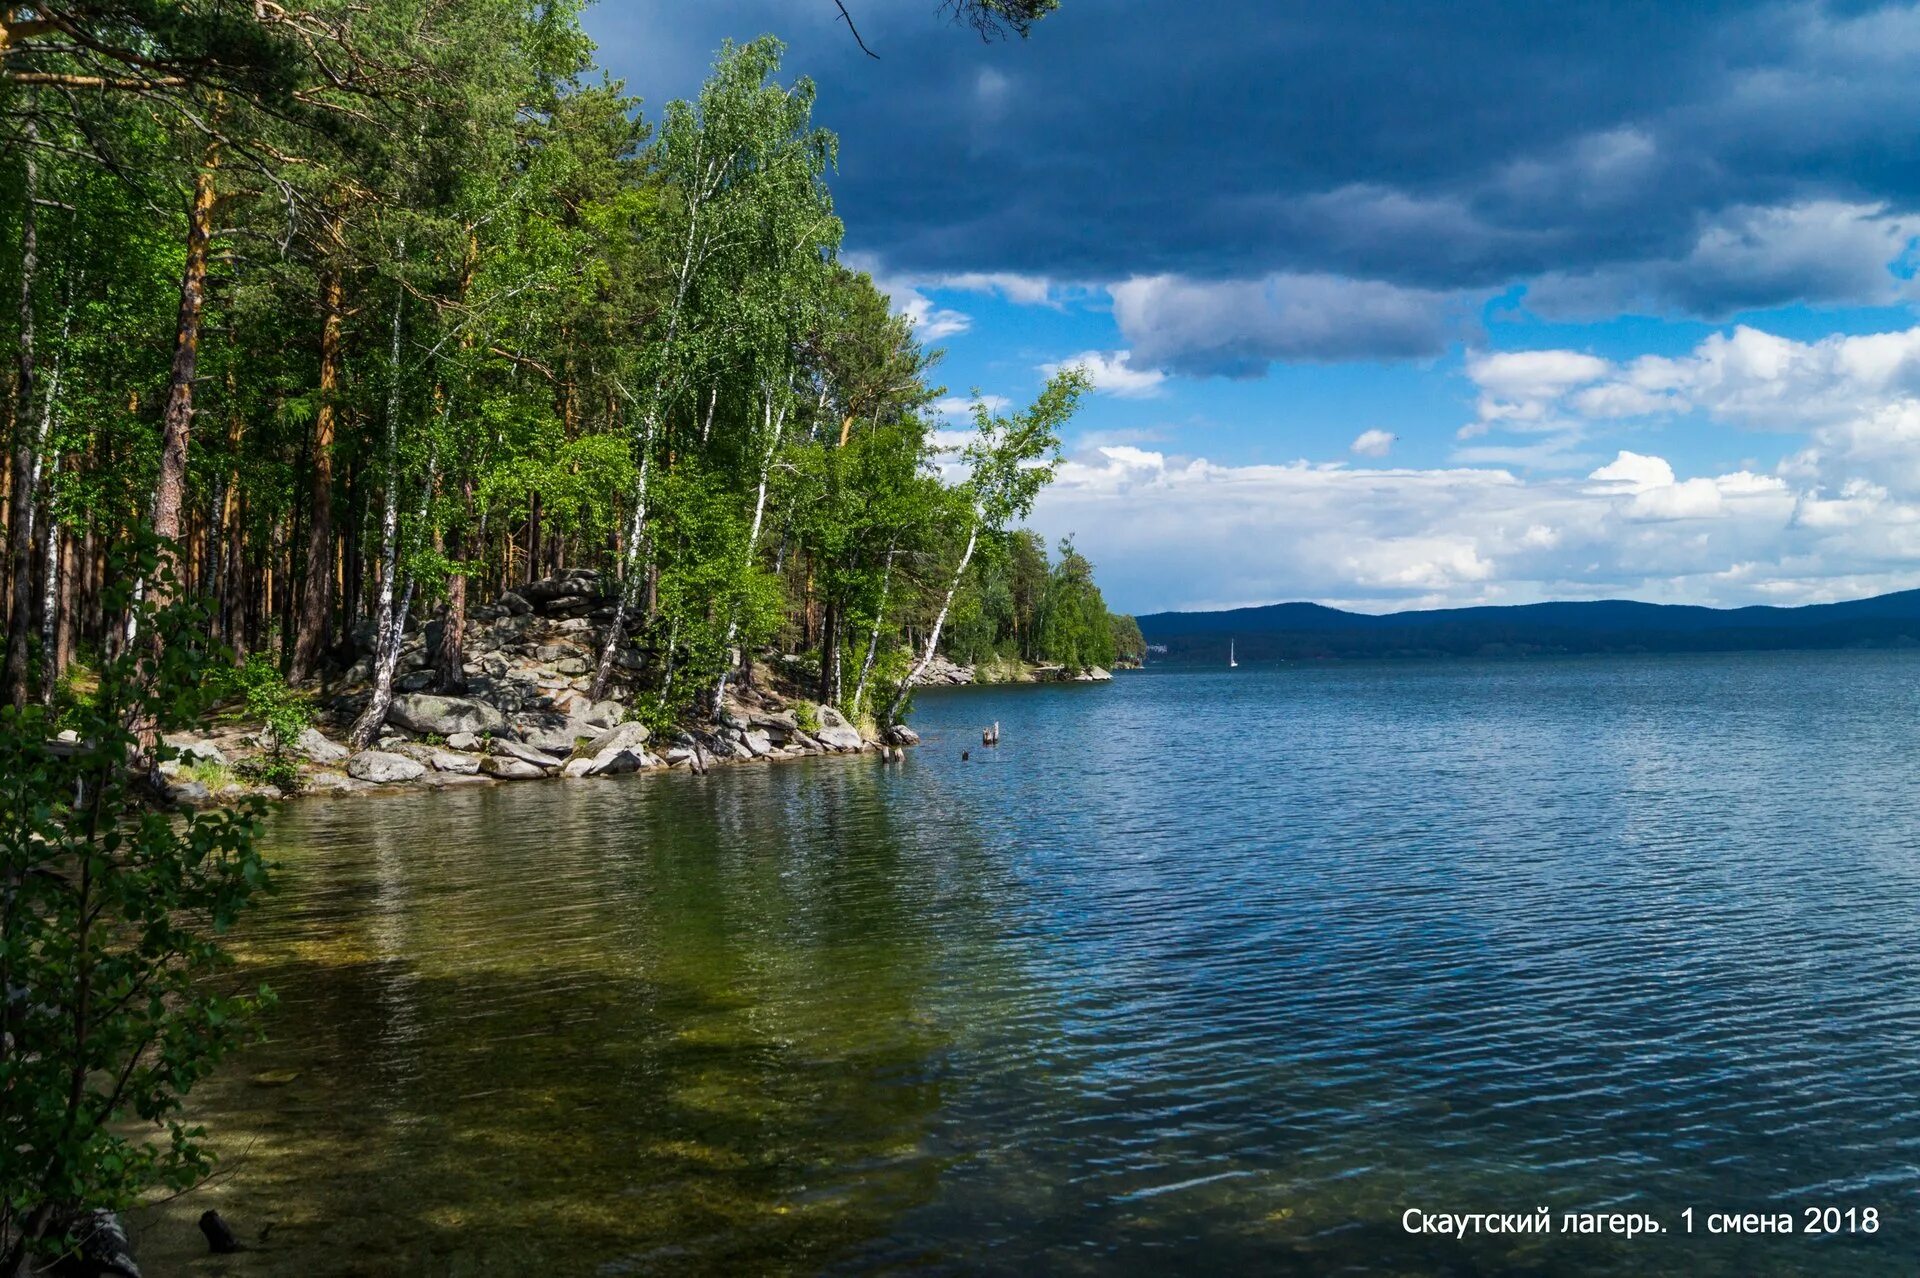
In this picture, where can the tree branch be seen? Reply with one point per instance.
(848, 19)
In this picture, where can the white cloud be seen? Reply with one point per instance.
(1168, 532)
(1113, 373)
(1856, 398)
(960, 408)
(1634, 473)
(932, 321)
(1373, 443)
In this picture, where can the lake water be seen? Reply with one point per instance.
(1197, 972)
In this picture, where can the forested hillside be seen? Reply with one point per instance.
(1304, 631)
(377, 312)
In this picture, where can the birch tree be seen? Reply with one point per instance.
(1008, 461)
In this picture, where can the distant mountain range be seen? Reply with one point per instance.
(1305, 631)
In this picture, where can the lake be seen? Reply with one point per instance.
(1196, 972)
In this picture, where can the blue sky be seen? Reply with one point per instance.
(1399, 305)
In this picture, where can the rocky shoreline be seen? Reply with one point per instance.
(941, 672)
(525, 714)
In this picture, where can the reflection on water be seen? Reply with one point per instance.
(1197, 972)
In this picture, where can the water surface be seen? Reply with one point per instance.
(1198, 972)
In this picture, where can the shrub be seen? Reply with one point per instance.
(114, 912)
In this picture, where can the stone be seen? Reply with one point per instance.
(758, 742)
(577, 768)
(189, 794)
(382, 768)
(623, 736)
(463, 741)
(831, 718)
(453, 761)
(553, 733)
(571, 666)
(418, 681)
(443, 716)
(840, 738)
(510, 769)
(515, 604)
(900, 734)
(318, 748)
(193, 748)
(621, 749)
(508, 748)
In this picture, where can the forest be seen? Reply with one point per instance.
(371, 314)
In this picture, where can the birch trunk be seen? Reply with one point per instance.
(390, 623)
(772, 423)
(873, 637)
(20, 516)
(933, 640)
(630, 553)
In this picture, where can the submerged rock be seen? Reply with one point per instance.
(382, 768)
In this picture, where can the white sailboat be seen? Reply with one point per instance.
(1231, 663)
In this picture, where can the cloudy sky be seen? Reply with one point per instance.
(1397, 304)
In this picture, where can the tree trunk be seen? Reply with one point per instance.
(873, 637)
(830, 654)
(450, 659)
(50, 599)
(20, 515)
(391, 622)
(177, 420)
(933, 640)
(629, 570)
(316, 602)
(772, 423)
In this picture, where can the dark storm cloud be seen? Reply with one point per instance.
(1627, 151)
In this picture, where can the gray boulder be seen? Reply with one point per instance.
(525, 753)
(382, 768)
(901, 735)
(604, 714)
(193, 748)
(514, 604)
(839, 738)
(189, 794)
(621, 749)
(463, 741)
(318, 748)
(418, 681)
(758, 742)
(453, 761)
(510, 769)
(423, 712)
(553, 733)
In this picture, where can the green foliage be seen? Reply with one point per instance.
(807, 715)
(1129, 645)
(277, 770)
(258, 684)
(111, 948)
(1075, 630)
